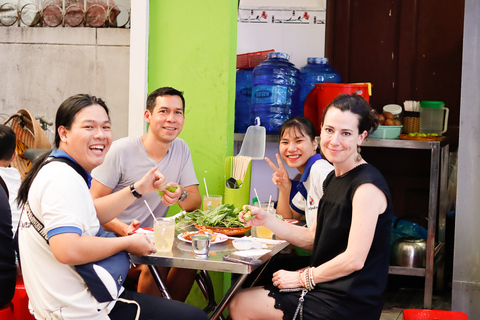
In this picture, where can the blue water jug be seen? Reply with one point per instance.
(243, 99)
(317, 70)
(275, 92)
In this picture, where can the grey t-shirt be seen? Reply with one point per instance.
(127, 161)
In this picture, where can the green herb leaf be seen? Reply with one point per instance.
(225, 215)
(169, 188)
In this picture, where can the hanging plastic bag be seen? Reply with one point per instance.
(402, 228)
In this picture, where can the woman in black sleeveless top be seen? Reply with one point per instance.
(350, 242)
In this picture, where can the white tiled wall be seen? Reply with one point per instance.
(298, 32)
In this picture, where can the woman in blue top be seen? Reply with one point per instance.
(298, 148)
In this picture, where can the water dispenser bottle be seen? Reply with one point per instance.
(317, 70)
(243, 99)
(275, 92)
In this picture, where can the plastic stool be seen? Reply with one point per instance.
(6, 313)
(419, 314)
(20, 301)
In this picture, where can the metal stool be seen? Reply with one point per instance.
(419, 314)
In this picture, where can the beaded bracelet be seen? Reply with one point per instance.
(308, 285)
(305, 274)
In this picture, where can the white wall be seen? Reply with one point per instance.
(300, 33)
(262, 174)
(41, 67)
(138, 88)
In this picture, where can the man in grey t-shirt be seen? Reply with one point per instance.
(130, 158)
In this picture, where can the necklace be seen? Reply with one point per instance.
(356, 166)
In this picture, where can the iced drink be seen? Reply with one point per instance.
(212, 201)
(164, 233)
(261, 231)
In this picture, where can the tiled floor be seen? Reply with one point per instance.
(407, 293)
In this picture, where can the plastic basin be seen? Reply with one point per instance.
(386, 132)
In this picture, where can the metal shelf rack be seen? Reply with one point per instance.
(439, 152)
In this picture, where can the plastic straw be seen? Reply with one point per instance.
(206, 189)
(258, 198)
(150, 210)
(269, 203)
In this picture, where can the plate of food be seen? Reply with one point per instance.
(216, 237)
(234, 231)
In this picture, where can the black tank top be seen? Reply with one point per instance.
(358, 295)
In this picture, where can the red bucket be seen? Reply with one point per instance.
(323, 93)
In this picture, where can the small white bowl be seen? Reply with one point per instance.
(242, 244)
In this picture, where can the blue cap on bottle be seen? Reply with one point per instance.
(317, 60)
(279, 55)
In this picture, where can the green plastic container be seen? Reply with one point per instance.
(241, 196)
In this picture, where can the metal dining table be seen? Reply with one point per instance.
(182, 256)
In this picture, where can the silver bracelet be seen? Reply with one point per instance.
(312, 280)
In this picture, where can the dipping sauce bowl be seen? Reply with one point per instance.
(242, 244)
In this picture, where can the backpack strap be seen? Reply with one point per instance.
(37, 224)
(72, 164)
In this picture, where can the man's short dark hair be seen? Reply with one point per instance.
(8, 142)
(164, 91)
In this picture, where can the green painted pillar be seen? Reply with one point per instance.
(192, 47)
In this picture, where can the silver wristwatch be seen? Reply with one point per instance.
(183, 196)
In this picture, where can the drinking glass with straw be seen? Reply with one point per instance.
(210, 200)
(163, 231)
(261, 231)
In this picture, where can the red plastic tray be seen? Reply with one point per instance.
(419, 314)
(252, 59)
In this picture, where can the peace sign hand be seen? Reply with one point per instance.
(280, 176)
